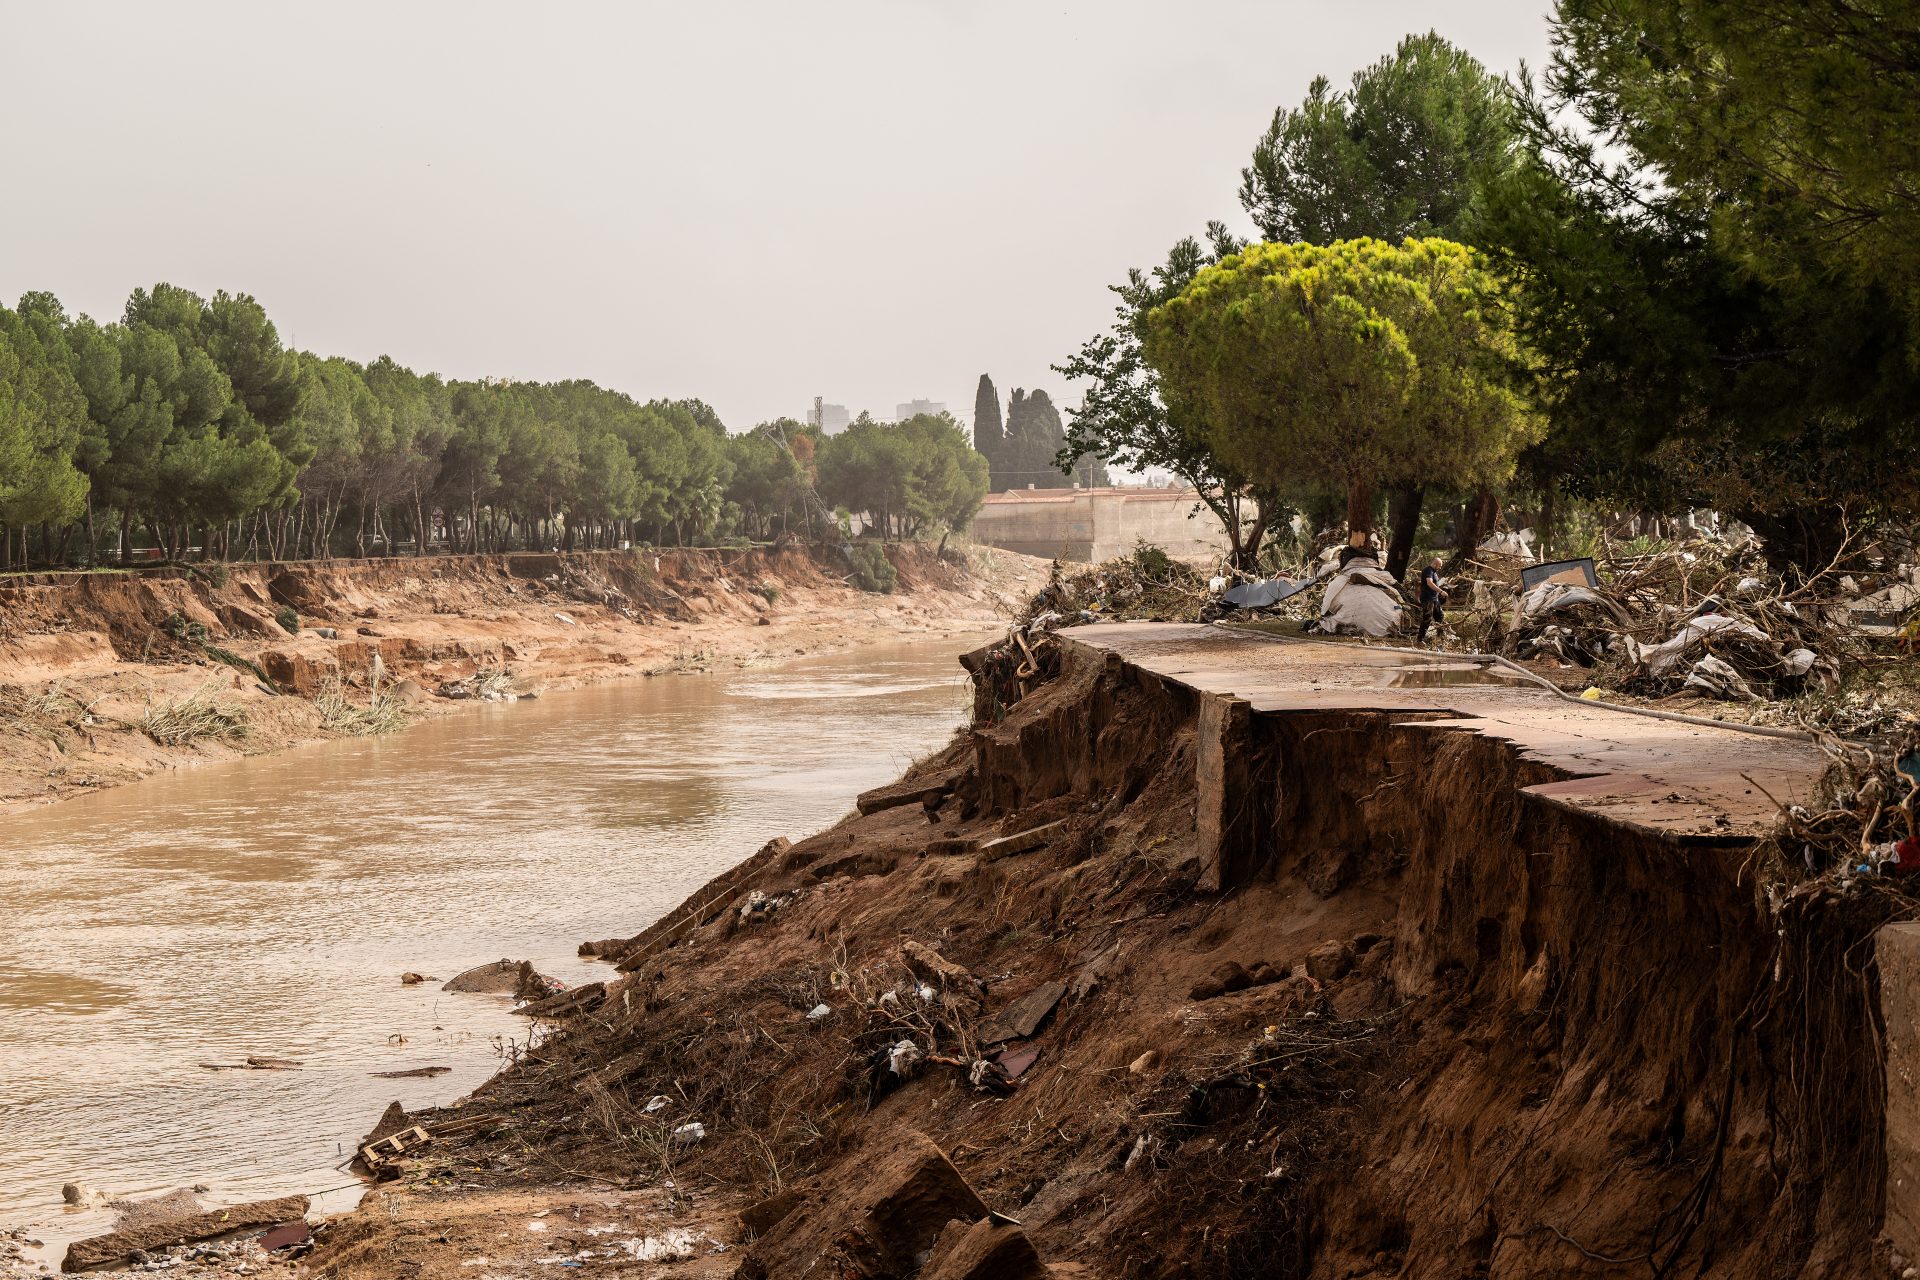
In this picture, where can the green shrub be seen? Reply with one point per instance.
(289, 619)
(872, 571)
(1151, 562)
(215, 573)
(768, 592)
(180, 628)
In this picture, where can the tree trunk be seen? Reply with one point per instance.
(1403, 524)
(1483, 513)
(1359, 506)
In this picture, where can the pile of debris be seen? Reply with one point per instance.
(1147, 586)
(487, 684)
(1705, 617)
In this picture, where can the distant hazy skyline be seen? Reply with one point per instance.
(752, 202)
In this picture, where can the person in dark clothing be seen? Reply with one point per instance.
(1432, 597)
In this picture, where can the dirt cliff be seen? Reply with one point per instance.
(87, 659)
(1431, 1023)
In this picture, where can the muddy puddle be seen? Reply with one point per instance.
(268, 907)
(1450, 675)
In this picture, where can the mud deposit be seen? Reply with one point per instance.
(269, 906)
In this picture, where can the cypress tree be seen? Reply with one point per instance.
(989, 434)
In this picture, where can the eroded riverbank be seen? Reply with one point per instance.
(268, 907)
(85, 659)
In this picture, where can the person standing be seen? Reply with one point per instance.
(1432, 597)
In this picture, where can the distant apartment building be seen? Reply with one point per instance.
(914, 408)
(832, 419)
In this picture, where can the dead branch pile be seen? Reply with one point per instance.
(1147, 586)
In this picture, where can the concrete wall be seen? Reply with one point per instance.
(1099, 524)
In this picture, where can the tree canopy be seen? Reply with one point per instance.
(911, 477)
(1360, 363)
(1707, 335)
(1403, 152)
(1793, 127)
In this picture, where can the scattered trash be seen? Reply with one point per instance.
(134, 1243)
(1716, 679)
(688, 1134)
(1271, 591)
(1145, 1147)
(1574, 573)
(286, 1236)
(1517, 545)
(657, 1102)
(677, 1245)
(488, 684)
(904, 1059)
(1016, 1062)
(819, 1013)
(381, 1154)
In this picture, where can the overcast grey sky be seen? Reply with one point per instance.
(749, 201)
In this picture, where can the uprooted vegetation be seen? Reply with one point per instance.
(203, 715)
(344, 712)
(1437, 1026)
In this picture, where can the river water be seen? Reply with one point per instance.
(268, 907)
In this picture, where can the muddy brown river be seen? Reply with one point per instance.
(268, 907)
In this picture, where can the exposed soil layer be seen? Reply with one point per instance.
(1433, 1023)
(85, 657)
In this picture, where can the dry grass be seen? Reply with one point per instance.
(49, 714)
(201, 715)
(381, 713)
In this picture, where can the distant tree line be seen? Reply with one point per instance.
(188, 428)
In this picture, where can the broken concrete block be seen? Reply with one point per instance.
(1329, 962)
(117, 1247)
(1229, 810)
(904, 793)
(936, 970)
(983, 1250)
(500, 978)
(875, 1214)
(1021, 841)
(1021, 1018)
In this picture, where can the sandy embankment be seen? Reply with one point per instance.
(84, 657)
